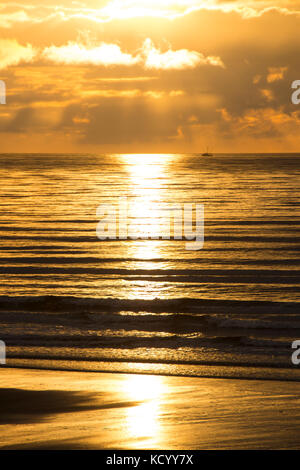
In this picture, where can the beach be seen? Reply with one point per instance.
(43, 409)
(141, 343)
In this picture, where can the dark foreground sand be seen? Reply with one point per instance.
(76, 410)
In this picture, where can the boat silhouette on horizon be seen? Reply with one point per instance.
(207, 153)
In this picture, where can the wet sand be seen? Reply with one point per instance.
(42, 409)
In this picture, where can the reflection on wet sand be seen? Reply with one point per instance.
(122, 411)
(142, 422)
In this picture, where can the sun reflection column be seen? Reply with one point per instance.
(148, 183)
(147, 194)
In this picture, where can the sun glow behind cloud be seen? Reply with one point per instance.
(124, 9)
(106, 11)
(172, 9)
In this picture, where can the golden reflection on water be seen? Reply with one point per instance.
(147, 172)
(143, 421)
(145, 250)
(148, 176)
(149, 180)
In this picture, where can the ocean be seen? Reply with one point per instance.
(73, 302)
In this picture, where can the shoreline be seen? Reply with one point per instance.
(216, 371)
(47, 409)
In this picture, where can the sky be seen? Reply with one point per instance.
(158, 76)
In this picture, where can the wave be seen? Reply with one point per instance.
(209, 276)
(55, 358)
(128, 342)
(269, 321)
(157, 305)
(276, 344)
(174, 331)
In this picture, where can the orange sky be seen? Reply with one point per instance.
(149, 76)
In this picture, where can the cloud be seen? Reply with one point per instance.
(262, 123)
(275, 74)
(106, 11)
(8, 19)
(111, 54)
(74, 53)
(180, 59)
(13, 53)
